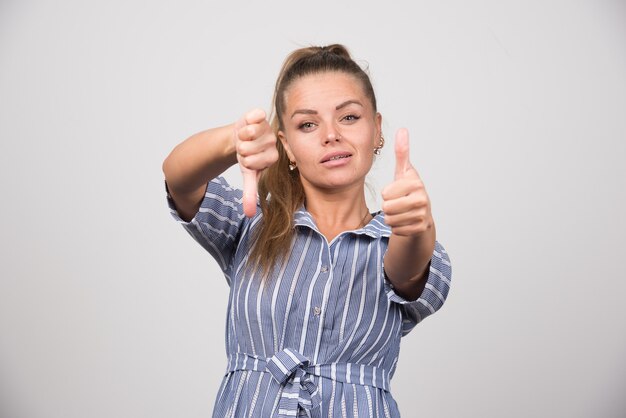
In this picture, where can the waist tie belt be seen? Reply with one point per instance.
(294, 372)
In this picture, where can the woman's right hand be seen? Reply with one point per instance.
(255, 145)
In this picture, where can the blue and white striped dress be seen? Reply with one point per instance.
(321, 337)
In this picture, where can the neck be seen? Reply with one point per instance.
(337, 211)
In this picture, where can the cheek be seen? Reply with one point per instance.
(300, 148)
(368, 146)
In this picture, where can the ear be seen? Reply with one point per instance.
(283, 141)
(379, 123)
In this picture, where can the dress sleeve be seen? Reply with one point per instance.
(219, 220)
(434, 294)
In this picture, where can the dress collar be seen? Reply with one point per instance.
(376, 228)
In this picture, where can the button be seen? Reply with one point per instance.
(317, 311)
(324, 269)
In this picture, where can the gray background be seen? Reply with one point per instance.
(517, 115)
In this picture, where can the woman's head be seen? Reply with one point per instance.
(330, 131)
(325, 107)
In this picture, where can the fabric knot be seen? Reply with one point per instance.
(284, 363)
(289, 368)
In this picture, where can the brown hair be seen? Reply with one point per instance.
(280, 189)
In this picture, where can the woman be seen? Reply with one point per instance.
(321, 290)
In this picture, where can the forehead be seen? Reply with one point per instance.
(326, 88)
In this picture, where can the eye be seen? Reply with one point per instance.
(306, 126)
(351, 118)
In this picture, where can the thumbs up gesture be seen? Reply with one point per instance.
(405, 202)
(255, 144)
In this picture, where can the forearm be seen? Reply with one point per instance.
(407, 262)
(200, 158)
(194, 162)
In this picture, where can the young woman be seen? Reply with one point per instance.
(321, 289)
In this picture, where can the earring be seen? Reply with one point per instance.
(380, 146)
(292, 165)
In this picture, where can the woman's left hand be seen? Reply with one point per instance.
(405, 202)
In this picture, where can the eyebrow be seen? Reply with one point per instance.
(348, 102)
(314, 112)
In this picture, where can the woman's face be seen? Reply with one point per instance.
(330, 130)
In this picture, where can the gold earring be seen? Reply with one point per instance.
(380, 146)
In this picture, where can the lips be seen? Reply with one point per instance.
(335, 156)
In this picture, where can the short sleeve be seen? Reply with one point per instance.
(434, 295)
(219, 220)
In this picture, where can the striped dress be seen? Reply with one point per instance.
(321, 337)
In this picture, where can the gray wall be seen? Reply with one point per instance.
(517, 114)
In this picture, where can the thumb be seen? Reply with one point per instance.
(249, 191)
(249, 178)
(402, 152)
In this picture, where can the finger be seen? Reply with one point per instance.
(254, 131)
(402, 187)
(409, 230)
(254, 116)
(402, 152)
(413, 218)
(404, 204)
(405, 220)
(249, 191)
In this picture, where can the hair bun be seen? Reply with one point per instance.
(336, 49)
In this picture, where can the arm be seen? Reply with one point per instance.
(407, 262)
(207, 154)
(193, 163)
(408, 213)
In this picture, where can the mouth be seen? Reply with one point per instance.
(336, 157)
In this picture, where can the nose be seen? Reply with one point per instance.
(332, 135)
